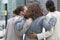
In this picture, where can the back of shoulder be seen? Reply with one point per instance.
(9, 20)
(58, 12)
(40, 19)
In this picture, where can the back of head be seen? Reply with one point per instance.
(50, 6)
(34, 10)
(18, 10)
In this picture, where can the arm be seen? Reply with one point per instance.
(49, 26)
(23, 28)
(45, 34)
(26, 26)
(19, 24)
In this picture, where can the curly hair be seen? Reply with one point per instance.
(34, 11)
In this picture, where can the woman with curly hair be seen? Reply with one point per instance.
(38, 23)
(54, 33)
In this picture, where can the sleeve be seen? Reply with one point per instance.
(19, 24)
(50, 27)
(25, 27)
(22, 28)
(45, 34)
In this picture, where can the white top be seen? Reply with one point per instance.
(54, 33)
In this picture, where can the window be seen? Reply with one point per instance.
(58, 5)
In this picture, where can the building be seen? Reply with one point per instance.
(58, 5)
(12, 4)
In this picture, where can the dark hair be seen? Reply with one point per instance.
(50, 5)
(34, 11)
(18, 10)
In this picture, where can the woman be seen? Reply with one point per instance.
(54, 33)
(37, 23)
(14, 30)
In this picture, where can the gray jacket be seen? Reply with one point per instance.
(37, 26)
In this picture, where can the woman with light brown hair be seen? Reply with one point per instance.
(34, 10)
(17, 24)
(38, 23)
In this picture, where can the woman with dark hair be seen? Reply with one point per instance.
(54, 33)
(38, 22)
(16, 25)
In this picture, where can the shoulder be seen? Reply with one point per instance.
(48, 15)
(9, 20)
(57, 12)
(19, 18)
(41, 18)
